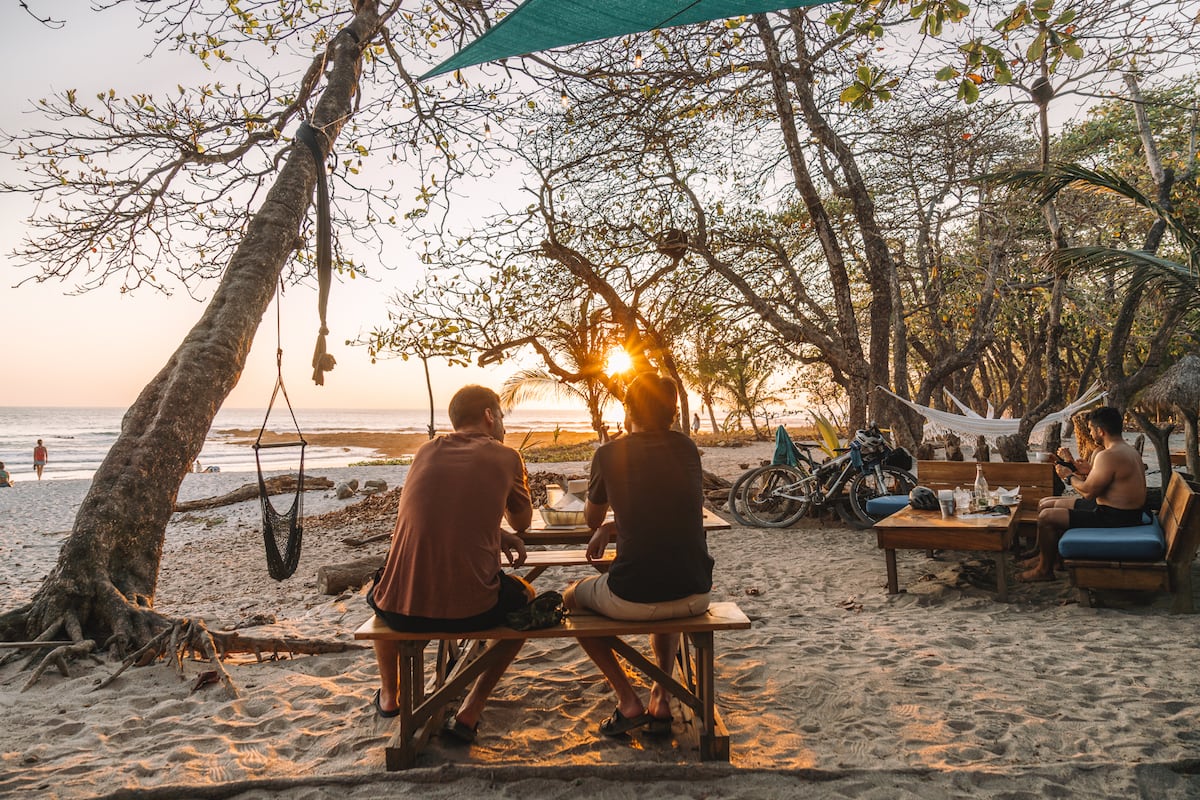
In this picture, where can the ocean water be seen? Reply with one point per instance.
(78, 438)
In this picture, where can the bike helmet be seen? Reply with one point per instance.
(923, 498)
(868, 442)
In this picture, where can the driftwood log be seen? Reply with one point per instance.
(281, 484)
(337, 578)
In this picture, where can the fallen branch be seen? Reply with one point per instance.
(379, 537)
(233, 642)
(280, 484)
(337, 578)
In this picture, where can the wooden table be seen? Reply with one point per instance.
(540, 533)
(910, 529)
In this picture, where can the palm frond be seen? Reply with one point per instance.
(1056, 177)
(1180, 283)
(536, 384)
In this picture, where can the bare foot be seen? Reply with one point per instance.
(1029, 563)
(1035, 576)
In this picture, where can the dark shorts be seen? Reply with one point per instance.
(1102, 516)
(514, 593)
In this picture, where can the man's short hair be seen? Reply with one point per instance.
(1108, 419)
(469, 403)
(650, 401)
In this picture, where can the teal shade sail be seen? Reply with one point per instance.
(544, 24)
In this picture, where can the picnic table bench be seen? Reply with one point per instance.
(423, 699)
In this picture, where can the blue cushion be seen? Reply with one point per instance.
(886, 505)
(1133, 543)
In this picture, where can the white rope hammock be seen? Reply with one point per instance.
(970, 425)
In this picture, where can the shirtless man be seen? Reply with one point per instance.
(1116, 483)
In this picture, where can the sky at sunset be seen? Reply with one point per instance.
(100, 348)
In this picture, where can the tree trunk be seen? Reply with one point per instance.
(1190, 443)
(110, 563)
(1160, 438)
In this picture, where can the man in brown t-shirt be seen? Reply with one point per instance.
(443, 570)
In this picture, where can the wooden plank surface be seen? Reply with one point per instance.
(719, 617)
(909, 517)
(540, 533)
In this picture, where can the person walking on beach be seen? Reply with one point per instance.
(1115, 483)
(39, 458)
(653, 480)
(443, 569)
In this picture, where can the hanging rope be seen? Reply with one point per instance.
(288, 526)
(322, 361)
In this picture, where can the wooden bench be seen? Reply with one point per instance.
(423, 699)
(1036, 480)
(1179, 521)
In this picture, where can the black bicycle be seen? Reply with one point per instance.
(778, 495)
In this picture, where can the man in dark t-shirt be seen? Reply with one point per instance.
(653, 482)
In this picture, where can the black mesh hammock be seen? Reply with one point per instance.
(287, 527)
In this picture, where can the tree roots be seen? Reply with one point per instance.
(174, 640)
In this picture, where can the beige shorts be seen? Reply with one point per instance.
(594, 594)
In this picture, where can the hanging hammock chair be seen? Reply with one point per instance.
(286, 527)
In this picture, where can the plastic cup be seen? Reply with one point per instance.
(946, 502)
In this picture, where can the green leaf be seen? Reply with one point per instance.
(1073, 50)
(947, 73)
(968, 92)
(852, 93)
(1036, 48)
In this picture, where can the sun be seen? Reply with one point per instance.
(618, 361)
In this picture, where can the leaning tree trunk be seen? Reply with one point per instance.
(107, 571)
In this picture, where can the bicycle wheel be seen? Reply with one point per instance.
(736, 502)
(875, 482)
(775, 496)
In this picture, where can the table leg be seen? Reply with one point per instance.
(412, 692)
(889, 555)
(1002, 576)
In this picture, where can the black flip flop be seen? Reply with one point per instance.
(659, 726)
(619, 724)
(459, 732)
(395, 712)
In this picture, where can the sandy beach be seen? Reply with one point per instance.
(838, 690)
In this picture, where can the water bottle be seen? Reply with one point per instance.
(981, 488)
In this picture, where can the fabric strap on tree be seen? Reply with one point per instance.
(322, 361)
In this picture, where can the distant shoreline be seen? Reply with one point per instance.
(395, 445)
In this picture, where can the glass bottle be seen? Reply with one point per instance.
(981, 488)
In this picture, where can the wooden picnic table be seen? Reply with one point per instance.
(541, 533)
(911, 529)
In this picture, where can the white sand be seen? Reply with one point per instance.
(837, 691)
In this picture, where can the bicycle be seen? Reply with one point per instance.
(778, 495)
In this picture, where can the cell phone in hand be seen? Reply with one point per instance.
(1063, 463)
